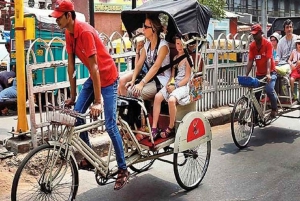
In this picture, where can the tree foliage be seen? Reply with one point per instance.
(216, 7)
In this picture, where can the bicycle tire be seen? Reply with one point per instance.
(242, 122)
(190, 166)
(141, 166)
(33, 171)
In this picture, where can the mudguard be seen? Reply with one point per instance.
(194, 129)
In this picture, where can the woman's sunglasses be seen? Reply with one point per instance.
(147, 27)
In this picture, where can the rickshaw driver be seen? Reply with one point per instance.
(260, 50)
(82, 40)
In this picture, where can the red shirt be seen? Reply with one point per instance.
(86, 43)
(261, 56)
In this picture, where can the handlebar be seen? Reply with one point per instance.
(263, 80)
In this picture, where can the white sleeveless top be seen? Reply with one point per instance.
(164, 76)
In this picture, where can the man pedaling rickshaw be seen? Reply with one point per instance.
(260, 51)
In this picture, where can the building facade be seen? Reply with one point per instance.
(275, 8)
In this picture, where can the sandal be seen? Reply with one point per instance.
(167, 132)
(155, 133)
(122, 179)
(85, 165)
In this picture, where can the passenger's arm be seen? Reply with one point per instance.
(171, 87)
(290, 61)
(187, 75)
(139, 64)
(139, 47)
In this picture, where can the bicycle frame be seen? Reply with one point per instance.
(261, 110)
(70, 139)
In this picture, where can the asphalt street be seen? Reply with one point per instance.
(268, 169)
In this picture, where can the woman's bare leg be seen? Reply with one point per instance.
(122, 90)
(172, 110)
(156, 108)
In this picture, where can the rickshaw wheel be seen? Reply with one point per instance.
(142, 166)
(242, 122)
(191, 165)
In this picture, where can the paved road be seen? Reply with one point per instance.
(269, 169)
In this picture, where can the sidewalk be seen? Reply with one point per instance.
(100, 142)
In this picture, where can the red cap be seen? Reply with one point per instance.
(62, 6)
(255, 29)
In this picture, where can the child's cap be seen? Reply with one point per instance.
(297, 40)
(276, 36)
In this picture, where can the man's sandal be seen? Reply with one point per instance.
(122, 179)
(85, 165)
(167, 132)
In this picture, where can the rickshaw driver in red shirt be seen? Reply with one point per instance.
(260, 51)
(83, 41)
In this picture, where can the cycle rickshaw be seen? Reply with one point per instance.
(55, 174)
(247, 106)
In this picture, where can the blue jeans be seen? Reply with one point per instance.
(270, 90)
(10, 92)
(109, 94)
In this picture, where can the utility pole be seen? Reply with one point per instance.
(92, 14)
(22, 126)
(264, 17)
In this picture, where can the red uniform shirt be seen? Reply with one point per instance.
(86, 43)
(261, 56)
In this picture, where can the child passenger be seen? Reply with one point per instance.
(294, 62)
(176, 91)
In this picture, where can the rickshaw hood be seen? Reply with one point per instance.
(185, 17)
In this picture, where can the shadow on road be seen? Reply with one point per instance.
(140, 188)
(273, 134)
(262, 136)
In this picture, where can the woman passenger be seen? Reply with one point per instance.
(155, 54)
